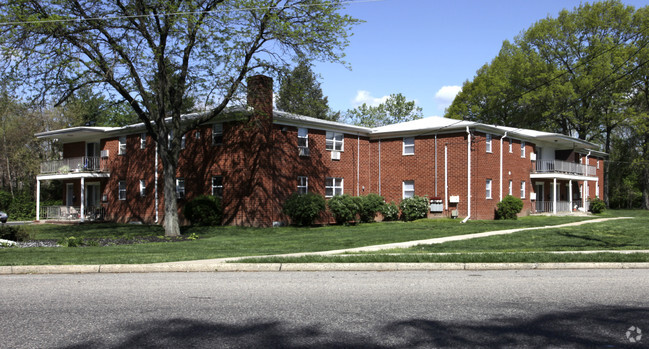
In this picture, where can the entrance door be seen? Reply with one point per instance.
(540, 197)
(92, 195)
(69, 194)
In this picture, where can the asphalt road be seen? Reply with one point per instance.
(530, 308)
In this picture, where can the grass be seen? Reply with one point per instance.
(219, 242)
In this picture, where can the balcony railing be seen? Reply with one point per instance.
(80, 164)
(557, 166)
(562, 206)
(72, 213)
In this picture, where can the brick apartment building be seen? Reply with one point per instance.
(255, 158)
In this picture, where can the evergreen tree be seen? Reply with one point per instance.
(300, 93)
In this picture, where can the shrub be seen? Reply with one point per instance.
(390, 211)
(304, 209)
(509, 208)
(14, 233)
(204, 210)
(414, 208)
(71, 242)
(22, 208)
(344, 208)
(597, 205)
(370, 205)
(5, 200)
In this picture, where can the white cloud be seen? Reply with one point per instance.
(366, 97)
(444, 97)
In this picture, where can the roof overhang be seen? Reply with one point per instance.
(45, 177)
(563, 176)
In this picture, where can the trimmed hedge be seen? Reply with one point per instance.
(204, 210)
(344, 208)
(413, 208)
(509, 208)
(304, 209)
(597, 205)
(390, 211)
(370, 205)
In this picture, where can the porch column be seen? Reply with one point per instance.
(584, 190)
(83, 198)
(554, 196)
(38, 199)
(570, 195)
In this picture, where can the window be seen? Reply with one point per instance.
(408, 189)
(142, 188)
(511, 187)
(488, 143)
(217, 186)
(217, 134)
(333, 186)
(522, 189)
(409, 146)
(302, 184)
(180, 188)
(522, 149)
(197, 135)
(597, 164)
(142, 140)
(122, 190)
(511, 150)
(183, 141)
(335, 141)
(488, 189)
(303, 141)
(122, 145)
(597, 189)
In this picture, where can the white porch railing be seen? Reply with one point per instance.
(80, 164)
(562, 206)
(70, 213)
(557, 166)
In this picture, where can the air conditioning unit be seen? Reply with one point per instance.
(533, 157)
(304, 151)
(335, 155)
(104, 153)
(454, 199)
(532, 196)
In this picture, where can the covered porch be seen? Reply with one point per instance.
(86, 207)
(562, 193)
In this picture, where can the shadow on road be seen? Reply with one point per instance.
(589, 327)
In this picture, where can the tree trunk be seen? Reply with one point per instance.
(170, 223)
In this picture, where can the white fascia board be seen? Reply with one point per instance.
(563, 176)
(43, 177)
(288, 119)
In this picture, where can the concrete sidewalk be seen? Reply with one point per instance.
(224, 264)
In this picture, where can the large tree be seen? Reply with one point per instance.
(156, 54)
(395, 109)
(300, 93)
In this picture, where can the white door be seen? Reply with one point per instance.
(69, 196)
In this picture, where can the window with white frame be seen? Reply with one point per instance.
(142, 188)
(122, 146)
(597, 189)
(488, 142)
(511, 187)
(217, 186)
(408, 189)
(511, 146)
(303, 137)
(302, 184)
(597, 164)
(522, 149)
(333, 186)
(522, 189)
(335, 141)
(183, 141)
(142, 140)
(488, 189)
(180, 188)
(217, 134)
(121, 193)
(197, 134)
(409, 146)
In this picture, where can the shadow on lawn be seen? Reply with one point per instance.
(586, 327)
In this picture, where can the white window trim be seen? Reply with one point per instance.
(511, 145)
(511, 187)
(214, 187)
(523, 190)
(488, 143)
(488, 187)
(178, 188)
(121, 190)
(522, 149)
(142, 188)
(407, 145)
(142, 140)
(217, 129)
(302, 188)
(404, 191)
(305, 136)
(330, 136)
(121, 149)
(333, 186)
(183, 141)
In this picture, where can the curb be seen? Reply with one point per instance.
(280, 267)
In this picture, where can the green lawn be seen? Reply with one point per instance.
(218, 242)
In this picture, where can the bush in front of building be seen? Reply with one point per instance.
(204, 210)
(14, 233)
(344, 208)
(597, 205)
(413, 208)
(370, 205)
(390, 211)
(304, 209)
(509, 208)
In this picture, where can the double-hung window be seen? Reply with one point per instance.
(522, 149)
(217, 186)
(142, 188)
(121, 194)
(122, 146)
(183, 141)
(333, 186)
(180, 188)
(409, 146)
(488, 189)
(303, 141)
(302, 184)
(335, 141)
(142, 140)
(488, 143)
(523, 190)
(217, 134)
(511, 187)
(408, 189)
(511, 143)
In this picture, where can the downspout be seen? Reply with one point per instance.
(501, 165)
(155, 183)
(585, 187)
(446, 176)
(358, 164)
(435, 164)
(468, 180)
(379, 166)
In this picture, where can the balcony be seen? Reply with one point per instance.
(571, 168)
(80, 164)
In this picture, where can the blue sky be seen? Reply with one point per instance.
(426, 49)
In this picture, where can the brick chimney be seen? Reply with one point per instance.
(260, 98)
